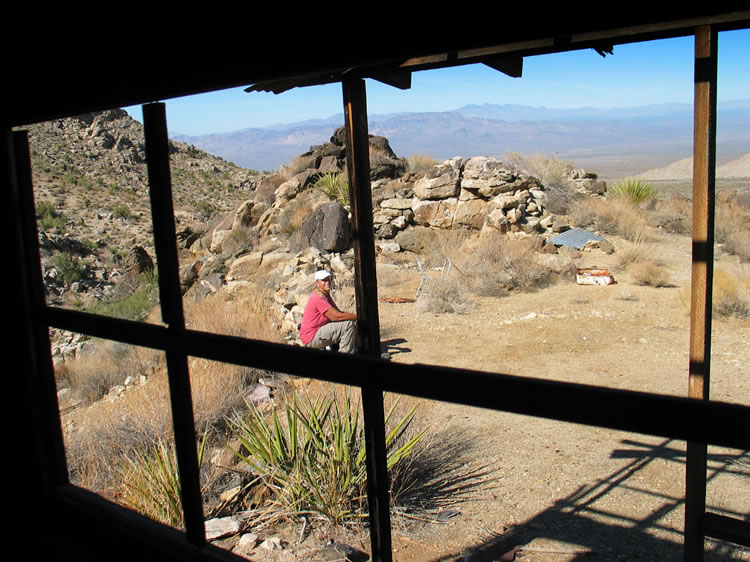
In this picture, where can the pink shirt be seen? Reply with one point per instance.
(314, 317)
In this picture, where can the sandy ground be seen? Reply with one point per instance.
(571, 490)
(492, 481)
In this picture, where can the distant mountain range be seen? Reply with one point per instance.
(612, 142)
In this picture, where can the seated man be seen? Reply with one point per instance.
(323, 323)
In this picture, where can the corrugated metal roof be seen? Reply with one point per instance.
(576, 237)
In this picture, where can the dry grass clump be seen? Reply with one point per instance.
(293, 214)
(91, 377)
(421, 163)
(552, 171)
(445, 296)
(99, 438)
(633, 253)
(499, 263)
(617, 216)
(649, 274)
(731, 294)
(738, 244)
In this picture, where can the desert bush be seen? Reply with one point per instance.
(731, 294)
(730, 218)
(313, 455)
(499, 263)
(121, 211)
(738, 244)
(68, 266)
(633, 253)
(151, 484)
(610, 216)
(137, 304)
(49, 217)
(648, 273)
(106, 432)
(421, 163)
(445, 296)
(634, 190)
(552, 171)
(334, 186)
(293, 215)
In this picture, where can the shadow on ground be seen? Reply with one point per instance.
(579, 529)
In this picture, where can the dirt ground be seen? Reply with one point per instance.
(492, 481)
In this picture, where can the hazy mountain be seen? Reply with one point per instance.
(615, 141)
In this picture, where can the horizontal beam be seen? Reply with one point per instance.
(726, 528)
(716, 423)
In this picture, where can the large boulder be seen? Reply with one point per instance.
(327, 229)
(441, 182)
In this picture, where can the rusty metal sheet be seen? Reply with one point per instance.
(594, 276)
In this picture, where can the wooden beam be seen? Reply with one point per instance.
(512, 65)
(704, 168)
(368, 324)
(170, 297)
(41, 374)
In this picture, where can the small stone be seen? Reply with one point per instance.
(221, 527)
(273, 543)
(248, 540)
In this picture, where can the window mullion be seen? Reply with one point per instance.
(368, 330)
(170, 297)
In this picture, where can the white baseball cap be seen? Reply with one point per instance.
(321, 274)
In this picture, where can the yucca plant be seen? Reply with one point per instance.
(334, 186)
(315, 460)
(151, 485)
(634, 190)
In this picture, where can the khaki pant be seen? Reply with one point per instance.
(343, 333)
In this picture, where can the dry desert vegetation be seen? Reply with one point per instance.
(471, 484)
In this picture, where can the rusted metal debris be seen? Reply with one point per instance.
(594, 276)
(396, 299)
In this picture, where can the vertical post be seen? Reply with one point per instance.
(704, 168)
(29, 340)
(170, 297)
(368, 329)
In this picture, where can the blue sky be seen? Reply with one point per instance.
(637, 74)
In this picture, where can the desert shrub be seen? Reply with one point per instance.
(634, 190)
(730, 218)
(49, 217)
(106, 432)
(499, 263)
(633, 253)
(731, 294)
(137, 304)
(293, 215)
(610, 216)
(421, 163)
(121, 211)
(443, 295)
(334, 186)
(672, 214)
(648, 273)
(738, 244)
(313, 455)
(68, 266)
(151, 484)
(552, 171)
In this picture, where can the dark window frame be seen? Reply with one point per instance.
(700, 421)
